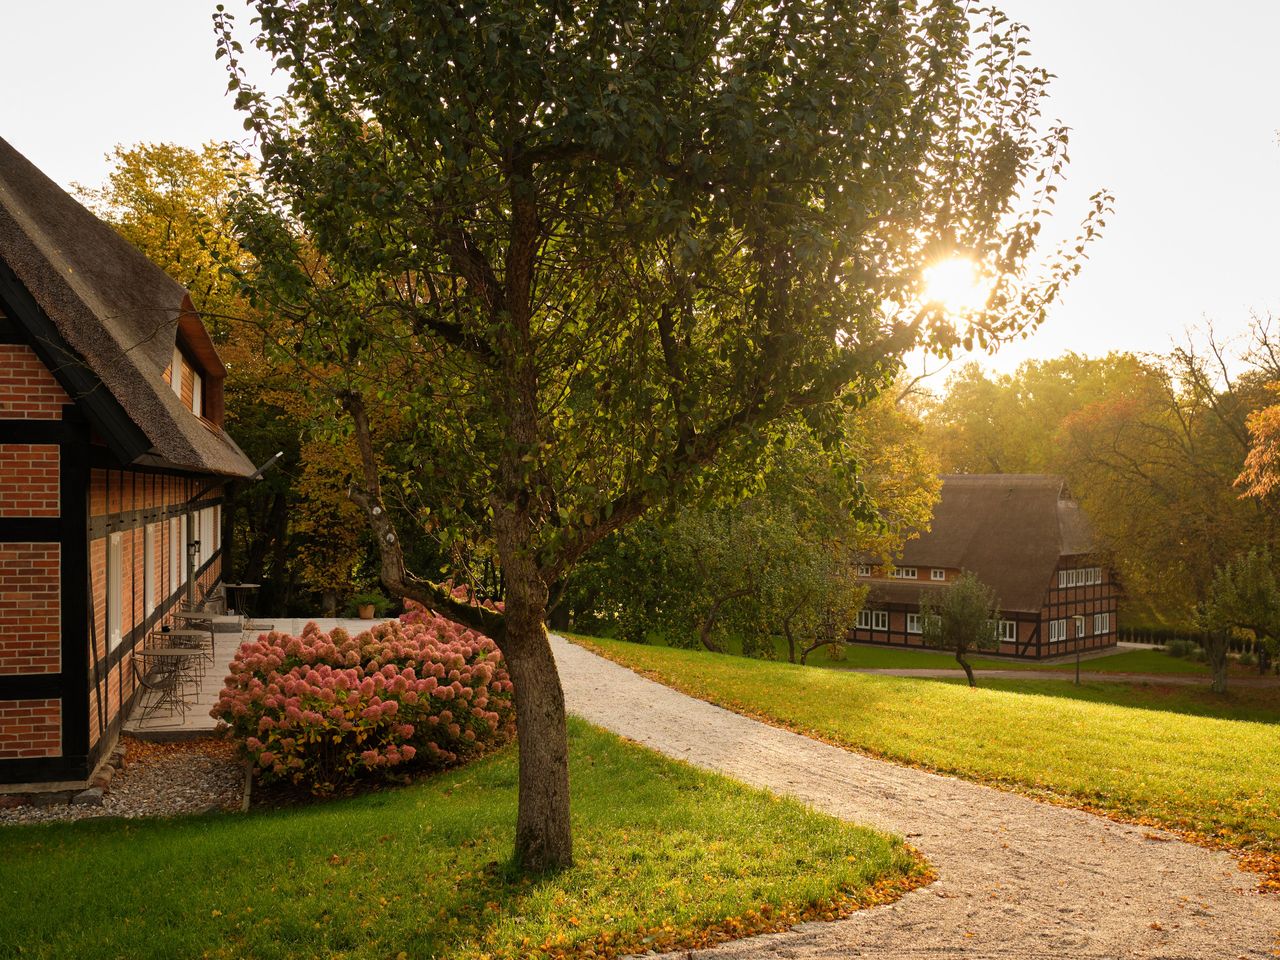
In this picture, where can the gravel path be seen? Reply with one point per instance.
(1017, 878)
(158, 780)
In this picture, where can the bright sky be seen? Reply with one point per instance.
(1175, 107)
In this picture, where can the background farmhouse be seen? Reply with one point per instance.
(1026, 539)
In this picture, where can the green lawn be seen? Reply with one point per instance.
(1215, 776)
(666, 856)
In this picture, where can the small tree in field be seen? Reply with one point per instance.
(1244, 595)
(961, 618)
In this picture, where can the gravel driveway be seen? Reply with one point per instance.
(1017, 878)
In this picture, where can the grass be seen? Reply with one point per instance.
(1211, 776)
(666, 856)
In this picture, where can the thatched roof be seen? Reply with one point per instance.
(116, 313)
(1008, 529)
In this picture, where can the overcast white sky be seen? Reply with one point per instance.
(1175, 108)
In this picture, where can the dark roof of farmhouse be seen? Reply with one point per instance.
(1008, 529)
(115, 310)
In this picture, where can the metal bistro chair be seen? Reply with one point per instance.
(198, 639)
(163, 684)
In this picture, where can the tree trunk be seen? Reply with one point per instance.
(543, 838)
(709, 622)
(791, 643)
(804, 654)
(968, 670)
(1216, 645)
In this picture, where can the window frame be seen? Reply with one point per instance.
(864, 620)
(864, 569)
(177, 569)
(937, 573)
(1058, 630)
(901, 573)
(114, 586)
(149, 569)
(880, 620)
(1007, 631)
(1080, 624)
(915, 623)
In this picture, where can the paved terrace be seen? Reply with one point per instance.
(196, 722)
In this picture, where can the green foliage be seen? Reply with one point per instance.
(1244, 595)
(1011, 423)
(368, 598)
(627, 249)
(782, 561)
(421, 871)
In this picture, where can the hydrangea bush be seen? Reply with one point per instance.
(324, 709)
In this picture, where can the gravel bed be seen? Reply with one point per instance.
(157, 780)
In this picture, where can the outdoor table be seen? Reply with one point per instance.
(198, 638)
(196, 615)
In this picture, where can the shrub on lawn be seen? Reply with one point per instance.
(1178, 648)
(323, 709)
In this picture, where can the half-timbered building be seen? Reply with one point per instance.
(1024, 537)
(113, 464)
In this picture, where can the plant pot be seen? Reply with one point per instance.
(366, 611)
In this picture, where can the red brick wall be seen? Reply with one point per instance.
(28, 390)
(28, 479)
(30, 728)
(29, 608)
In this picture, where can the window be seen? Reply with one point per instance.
(864, 619)
(177, 566)
(880, 619)
(937, 573)
(1007, 631)
(217, 527)
(904, 573)
(114, 563)
(204, 535)
(1101, 623)
(197, 394)
(1097, 574)
(1062, 578)
(864, 570)
(1057, 631)
(1079, 626)
(148, 569)
(913, 623)
(175, 375)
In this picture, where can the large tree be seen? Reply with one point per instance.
(601, 256)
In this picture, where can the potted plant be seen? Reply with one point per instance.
(369, 604)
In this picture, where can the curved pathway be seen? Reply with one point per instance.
(1017, 878)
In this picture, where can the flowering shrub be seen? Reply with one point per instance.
(322, 709)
